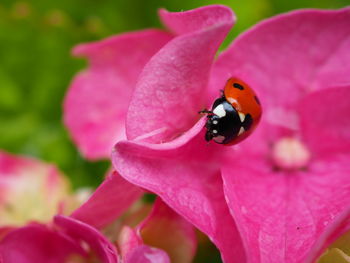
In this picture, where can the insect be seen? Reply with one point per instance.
(234, 115)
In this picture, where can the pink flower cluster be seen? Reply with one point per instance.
(282, 195)
(268, 199)
(34, 192)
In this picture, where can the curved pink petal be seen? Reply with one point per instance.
(146, 254)
(283, 214)
(325, 120)
(81, 232)
(185, 174)
(165, 229)
(339, 226)
(128, 240)
(97, 100)
(197, 19)
(38, 244)
(285, 57)
(108, 202)
(172, 87)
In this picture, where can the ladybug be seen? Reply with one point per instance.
(234, 115)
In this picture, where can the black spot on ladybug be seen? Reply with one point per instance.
(257, 100)
(238, 86)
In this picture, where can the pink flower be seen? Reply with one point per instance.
(268, 199)
(272, 197)
(162, 235)
(101, 92)
(33, 192)
(96, 103)
(65, 240)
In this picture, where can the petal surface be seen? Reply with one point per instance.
(81, 232)
(185, 174)
(128, 240)
(172, 87)
(286, 57)
(38, 244)
(290, 54)
(284, 214)
(4, 230)
(325, 120)
(165, 229)
(146, 254)
(108, 202)
(334, 232)
(197, 19)
(96, 103)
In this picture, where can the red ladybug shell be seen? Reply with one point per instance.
(245, 101)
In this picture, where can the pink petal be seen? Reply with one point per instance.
(325, 120)
(172, 87)
(38, 244)
(339, 226)
(165, 229)
(108, 202)
(4, 230)
(82, 232)
(286, 57)
(283, 214)
(96, 103)
(185, 174)
(197, 19)
(30, 190)
(146, 254)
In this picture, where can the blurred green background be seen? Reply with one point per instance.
(36, 66)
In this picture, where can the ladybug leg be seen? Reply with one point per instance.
(208, 136)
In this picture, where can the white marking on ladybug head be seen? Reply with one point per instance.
(215, 131)
(241, 116)
(241, 130)
(220, 111)
(215, 122)
(219, 139)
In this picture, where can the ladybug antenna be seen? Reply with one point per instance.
(205, 111)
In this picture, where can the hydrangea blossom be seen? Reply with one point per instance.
(162, 233)
(280, 207)
(65, 240)
(279, 192)
(96, 104)
(34, 192)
